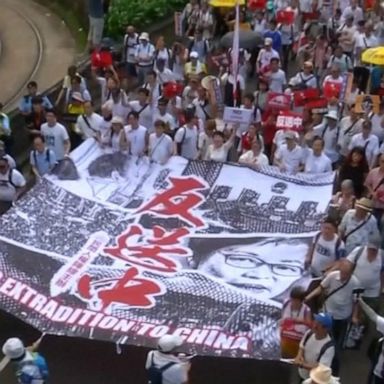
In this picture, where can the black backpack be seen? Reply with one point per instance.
(155, 374)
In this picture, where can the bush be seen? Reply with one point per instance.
(139, 13)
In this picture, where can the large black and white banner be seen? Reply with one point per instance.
(134, 250)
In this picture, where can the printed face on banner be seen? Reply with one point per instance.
(266, 269)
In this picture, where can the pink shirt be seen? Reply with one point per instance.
(375, 181)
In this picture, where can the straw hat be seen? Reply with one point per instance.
(323, 375)
(364, 203)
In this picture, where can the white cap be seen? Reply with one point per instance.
(194, 55)
(168, 343)
(13, 348)
(332, 115)
(117, 120)
(144, 36)
(268, 41)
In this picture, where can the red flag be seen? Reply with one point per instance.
(280, 101)
(331, 89)
(300, 98)
(285, 17)
(254, 5)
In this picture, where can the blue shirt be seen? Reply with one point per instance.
(25, 105)
(96, 8)
(42, 161)
(276, 39)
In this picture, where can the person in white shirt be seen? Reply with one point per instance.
(290, 156)
(349, 126)
(276, 76)
(174, 368)
(304, 79)
(218, 150)
(135, 137)
(316, 346)
(164, 74)
(144, 56)
(330, 133)
(154, 87)
(316, 161)
(358, 225)
(334, 77)
(368, 264)
(112, 137)
(347, 32)
(254, 157)
(88, 124)
(206, 138)
(143, 108)
(353, 10)
(365, 41)
(327, 248)
(160, 145)
(202, 105)
(279, 138)
(340, 59)
(162, 114)
(339, 287)
(187, 136)
(265, 55)
(12, 184)
(368, 141)
(55, 136)
(131, 40)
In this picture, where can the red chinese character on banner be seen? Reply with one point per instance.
(150, 248)
(178, 200)
(131, 289)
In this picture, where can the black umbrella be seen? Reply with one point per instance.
(247, 40)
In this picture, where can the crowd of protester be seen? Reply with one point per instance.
(162, 100)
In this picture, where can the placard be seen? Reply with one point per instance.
(237, 115)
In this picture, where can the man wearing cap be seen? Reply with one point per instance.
(329, 131)
(368, 141)
(265, 56)
(358, 225)
(30, 366)
(290, 156)
(316, 346)
(194, 67)
(338, 289)
(144, 56)
(368, 266)
(167, 363)
(305, 78)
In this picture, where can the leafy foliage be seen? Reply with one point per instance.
(140, 13)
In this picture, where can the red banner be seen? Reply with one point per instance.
(289, 121)
(331, 89)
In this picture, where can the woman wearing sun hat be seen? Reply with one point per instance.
(321, 375)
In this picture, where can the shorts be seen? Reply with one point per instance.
(96, 27)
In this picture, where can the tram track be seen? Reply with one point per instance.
(26, 61)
